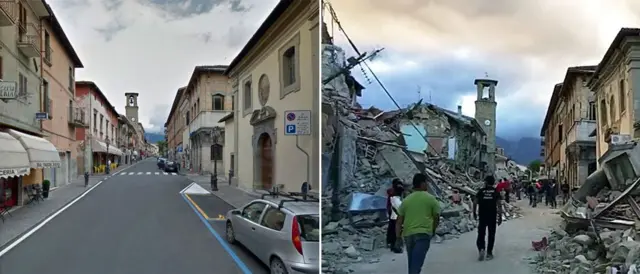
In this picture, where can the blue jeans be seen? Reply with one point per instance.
(417, 247)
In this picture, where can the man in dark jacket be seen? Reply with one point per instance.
(532, 192)
(487, 209)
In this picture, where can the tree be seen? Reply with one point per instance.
(162, 147)
(534, 166)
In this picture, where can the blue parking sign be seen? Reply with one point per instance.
(291, 129)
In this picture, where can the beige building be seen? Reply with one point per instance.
(58, 91)
(569, 149)
(276, 71)
(614, 83)
(205, 100)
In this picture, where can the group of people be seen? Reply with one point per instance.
(413, 218)
(549, 189)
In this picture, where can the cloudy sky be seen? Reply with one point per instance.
(152, 46)
(441, 46)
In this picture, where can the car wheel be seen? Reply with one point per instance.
(230, 234)
(277, 266)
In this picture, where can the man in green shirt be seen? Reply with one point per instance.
(417, 221)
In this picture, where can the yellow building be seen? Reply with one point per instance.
(276, 71)
(613, 83)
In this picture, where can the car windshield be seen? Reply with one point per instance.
(310, 227)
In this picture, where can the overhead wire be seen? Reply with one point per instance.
(335, 19)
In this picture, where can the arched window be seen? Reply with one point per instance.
(218, 102)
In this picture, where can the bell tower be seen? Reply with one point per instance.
(131, 107)
(486, 116)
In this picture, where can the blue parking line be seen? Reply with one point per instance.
(222, 242)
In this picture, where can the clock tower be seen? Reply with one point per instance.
(486, 116)
(131, 108)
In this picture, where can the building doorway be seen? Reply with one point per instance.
(266, 161)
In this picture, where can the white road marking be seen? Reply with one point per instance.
(164, 173)
(123, 173)
(131, 173)
(139, 173)
(157, 173)
(36, 228)
(148, 173)
(174, 174)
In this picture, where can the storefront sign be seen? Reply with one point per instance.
(13, 171)
(48, 165)
(42, 116)
(8, 90)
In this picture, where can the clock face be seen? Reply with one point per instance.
(133, 119)
(487, 122)
(131, 101)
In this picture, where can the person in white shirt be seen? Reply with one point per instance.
(395, 200)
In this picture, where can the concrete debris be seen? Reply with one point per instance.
(364, 150)
(601, 220)
(587, 252)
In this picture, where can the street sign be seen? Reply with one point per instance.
(297, 122)
(8, 90)
(42, 116)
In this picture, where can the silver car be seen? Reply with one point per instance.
(283, 231)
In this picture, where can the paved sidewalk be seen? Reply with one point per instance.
(25, 217)
(232, 195)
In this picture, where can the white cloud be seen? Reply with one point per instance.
(541, 38)
(151, 47)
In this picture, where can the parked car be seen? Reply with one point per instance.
(161, 162)
(170, 166)
(282, 230)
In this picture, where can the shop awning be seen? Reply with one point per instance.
(42, 153)
(14, 160)
(115, 151)
(101, 147)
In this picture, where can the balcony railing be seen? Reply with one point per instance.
(29, 39)
(542, 152)
(206, 119)
(8, 13)
(77, 117)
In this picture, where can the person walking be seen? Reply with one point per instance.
(418, 218)
(552, 192)
(488, 211)
(395, 200)
(532, 192)
(565, 193)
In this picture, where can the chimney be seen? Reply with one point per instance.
(459, 110)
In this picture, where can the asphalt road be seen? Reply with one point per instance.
(136, 224)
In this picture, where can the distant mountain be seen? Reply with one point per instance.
(522, 151)
(153, 137)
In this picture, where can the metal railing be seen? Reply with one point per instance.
(77, 115)
(29, 33)
(10, 8)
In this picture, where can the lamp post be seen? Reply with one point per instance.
(215, 135)
(108, 142)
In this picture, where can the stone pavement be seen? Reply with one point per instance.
(25, 217)
(513, 247)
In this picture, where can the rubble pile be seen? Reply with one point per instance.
(372, 153)
(601, 221)
(586, 252)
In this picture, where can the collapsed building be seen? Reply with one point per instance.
(601, 220)
(365, 149)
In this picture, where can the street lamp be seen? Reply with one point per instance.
(215, 136)
(108, 142)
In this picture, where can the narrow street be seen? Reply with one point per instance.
(459, 256)
(135, 221)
